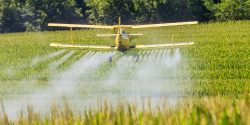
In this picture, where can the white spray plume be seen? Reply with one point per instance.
(153, 76)
(123, 65)
(37, 60)
(68, 81)
(65, 84)
(62, 60)
(12, 69)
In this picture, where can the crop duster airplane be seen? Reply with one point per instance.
(122, 38)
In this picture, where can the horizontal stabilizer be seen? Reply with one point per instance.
(134, 35)
(164, 45)
(106, 35)
(139, 34)
(80, 46)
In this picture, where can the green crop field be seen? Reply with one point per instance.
(213, 76)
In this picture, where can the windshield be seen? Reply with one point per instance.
(124, 34)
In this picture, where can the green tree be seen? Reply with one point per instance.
(55, 11)
(34, 15)
(233, 10)
(12, 20)
(107, 11)
(12, 16)
(229, 9)
(147, 10)
(198, 11)
(150, 11)
(82, 4)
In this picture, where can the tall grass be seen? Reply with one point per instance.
(207, 110)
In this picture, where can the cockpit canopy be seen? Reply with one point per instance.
(123, 34)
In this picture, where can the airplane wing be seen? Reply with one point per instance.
(163, 45)
(80, 26)
(80, 46)
(164, 24)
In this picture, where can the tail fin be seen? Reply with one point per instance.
(119, 21)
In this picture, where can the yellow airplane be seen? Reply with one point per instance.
(123, 39)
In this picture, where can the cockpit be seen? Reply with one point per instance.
(124, 34)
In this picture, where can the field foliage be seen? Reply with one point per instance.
(218, 64)
(212, 111)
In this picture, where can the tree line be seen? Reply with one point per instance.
(34, 15)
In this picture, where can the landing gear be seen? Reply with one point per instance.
(129, 56)
(136, 56)
(110, 60)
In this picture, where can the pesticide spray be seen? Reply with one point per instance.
(60, 85)
(11, 70)
(155, 74)
(37, 60)
(62, 60)
(67, 82)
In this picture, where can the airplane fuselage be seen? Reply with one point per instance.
(122, 41)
